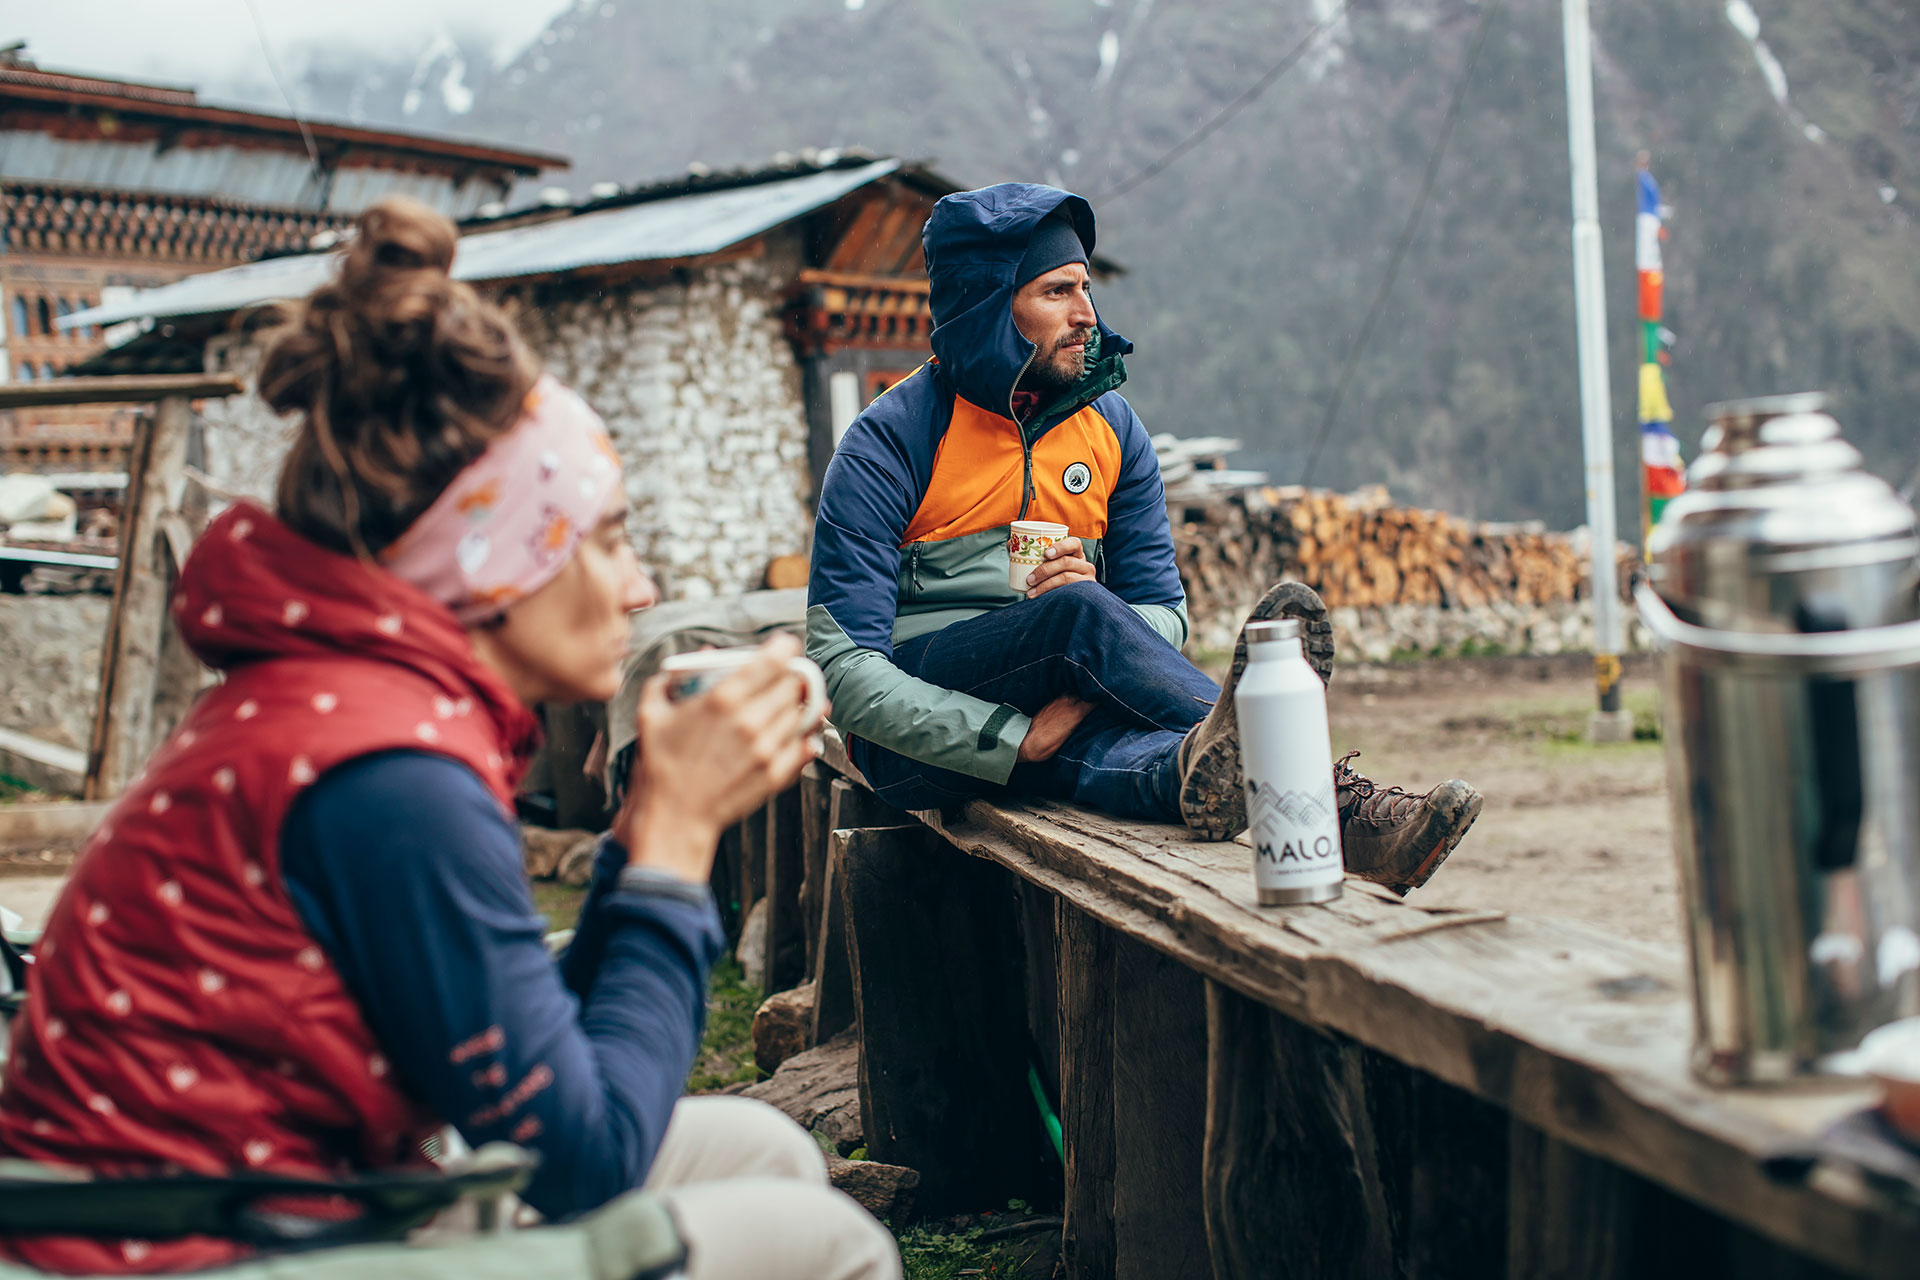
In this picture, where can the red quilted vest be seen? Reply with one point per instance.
(178, 1014)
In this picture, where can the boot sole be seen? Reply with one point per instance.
(1463, 821)
(1216, 810)
(1302, 603)
(1213, 799)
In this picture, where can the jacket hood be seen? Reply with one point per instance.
(254, 590)
(974, 242)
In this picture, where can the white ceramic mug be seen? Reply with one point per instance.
(1030, 542)
(691, 674)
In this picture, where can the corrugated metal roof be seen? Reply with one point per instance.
(676, 227)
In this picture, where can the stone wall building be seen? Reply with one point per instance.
(728, 327)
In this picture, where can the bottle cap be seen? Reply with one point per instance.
(1281, 629)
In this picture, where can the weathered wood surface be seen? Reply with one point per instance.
(815, 782)
(1084, 953)
(943, 1050)
(1582, 1035)
(124, 716)
(786, 868)
(1159, 1101)
(848, 808)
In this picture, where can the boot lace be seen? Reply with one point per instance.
(1360, 798)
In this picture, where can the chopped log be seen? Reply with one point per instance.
(819, 1090)
(1358, 550)
(781, 1027)
(937, 975)
(544, 850)
(785, 572)
(886, 1191)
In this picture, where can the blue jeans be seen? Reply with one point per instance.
(1080, 640)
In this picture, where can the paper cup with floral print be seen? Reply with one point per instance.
(1028, 549)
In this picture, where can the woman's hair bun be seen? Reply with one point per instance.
(399, 234)
(401, 376)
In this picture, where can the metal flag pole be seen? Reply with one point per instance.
(1608, 722)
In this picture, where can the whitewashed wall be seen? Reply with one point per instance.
(699, 386)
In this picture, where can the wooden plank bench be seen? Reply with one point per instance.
(1365, 1088)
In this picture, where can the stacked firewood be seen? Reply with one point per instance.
(1360, 550)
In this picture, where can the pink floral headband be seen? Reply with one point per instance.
(512, 518)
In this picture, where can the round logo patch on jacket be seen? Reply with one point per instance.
(1077, 477)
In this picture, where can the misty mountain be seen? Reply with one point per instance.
(1786, 134)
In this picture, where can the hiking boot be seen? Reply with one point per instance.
(1393, 837)
(1213, 795)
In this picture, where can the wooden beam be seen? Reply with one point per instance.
(864, 280)
(146, 388)
(937, 979)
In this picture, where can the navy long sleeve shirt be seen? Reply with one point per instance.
(406, 871)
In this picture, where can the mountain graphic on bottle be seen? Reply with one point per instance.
(1268, 807)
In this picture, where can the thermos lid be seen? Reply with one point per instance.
(1281, 629)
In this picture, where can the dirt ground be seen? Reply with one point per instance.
(1570, 829)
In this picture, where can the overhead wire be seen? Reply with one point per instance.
(279, 82)
(1243, 100)
(1400, 246)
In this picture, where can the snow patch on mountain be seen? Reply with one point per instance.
(1744, 20)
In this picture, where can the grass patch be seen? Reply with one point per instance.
(726, 1050)
(948, 1251)
(14, 791)
(559, 903)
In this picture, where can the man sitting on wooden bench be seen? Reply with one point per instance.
(952, 684)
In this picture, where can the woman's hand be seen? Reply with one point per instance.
(704, 763)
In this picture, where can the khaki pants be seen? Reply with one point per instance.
(749, 1189)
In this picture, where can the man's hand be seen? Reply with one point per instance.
(1066, 562)
(1052, 725)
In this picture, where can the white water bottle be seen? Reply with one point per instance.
(1287, 760)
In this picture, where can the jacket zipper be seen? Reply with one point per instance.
(913, 569)
(1026, 443)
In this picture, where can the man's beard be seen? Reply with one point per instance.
(1058, 371)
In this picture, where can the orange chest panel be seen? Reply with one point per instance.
(979, 476)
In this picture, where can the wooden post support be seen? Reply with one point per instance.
(937, 978)
(752, 852)
(849, 808)
(1293, 1184)
(815, 797)
(786, 864)
(1159, 1100)
(1570, 1216)
(130, 660)
(1084, 948)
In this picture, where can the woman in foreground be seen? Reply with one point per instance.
(303, 940)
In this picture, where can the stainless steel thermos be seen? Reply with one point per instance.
(1287, 758)
(1783, 599)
